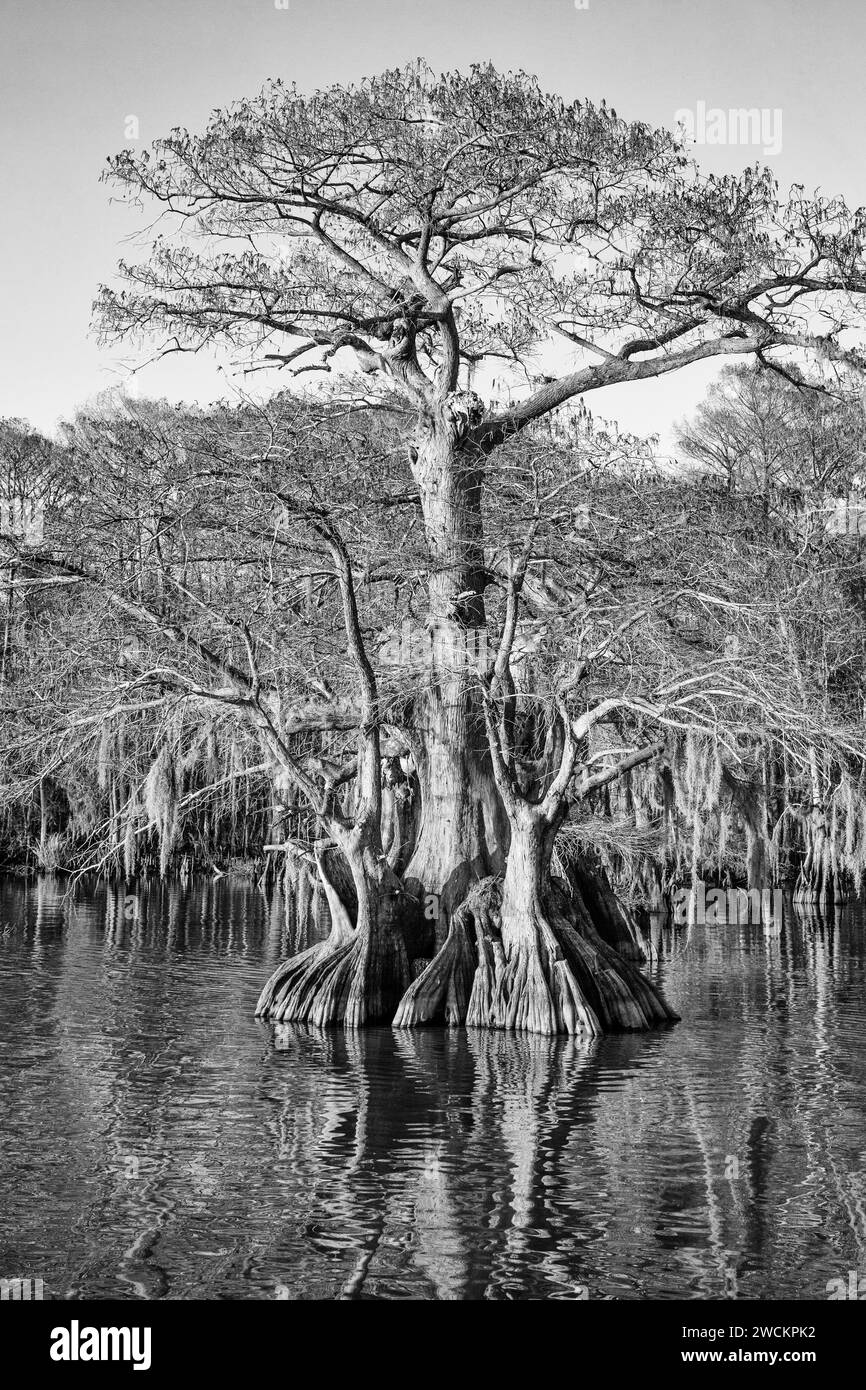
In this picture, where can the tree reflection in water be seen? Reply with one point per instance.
(158, 1142)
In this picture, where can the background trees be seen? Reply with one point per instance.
(789, 443)
(797, 451)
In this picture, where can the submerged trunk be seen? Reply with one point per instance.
(524, 981)
(818, 884)
(555, 973)
(358, 975)
(614, 922)
(279, 990)
(535, 958)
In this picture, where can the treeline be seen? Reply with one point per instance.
(179, 617)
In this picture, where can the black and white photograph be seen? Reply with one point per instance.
(433, 669)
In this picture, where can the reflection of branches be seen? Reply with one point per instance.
(820, 1090)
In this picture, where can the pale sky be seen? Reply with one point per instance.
(73, 71)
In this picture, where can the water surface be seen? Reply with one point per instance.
(156, 1141)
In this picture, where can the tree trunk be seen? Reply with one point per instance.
(358, 975)
(614, 923)
(400, 813)
(463, 833)
(524, 981)
(441, 993)
(290, 973)
(816, 885)
(537, 962)
(43, 824)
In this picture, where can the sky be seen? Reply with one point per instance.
(73, 72)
